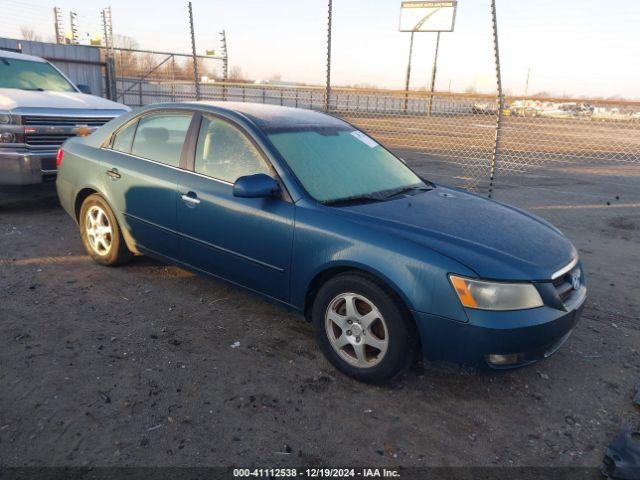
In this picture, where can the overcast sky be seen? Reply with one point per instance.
(579, 47)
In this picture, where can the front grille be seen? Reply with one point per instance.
(46, 140)
(64, 121)
(50, 131)
(564, 284)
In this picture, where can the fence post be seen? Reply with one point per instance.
(497, 142)
(111, 79)
(196, 77)
(225, 65)
(140, 92)
(327, 92)
(173, 78)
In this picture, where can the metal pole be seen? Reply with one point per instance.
(225, 64)
(57, 18)
(408, 79)
(196, 76)
(173, 78)
(497, 142)
(107, 28)
(434, 69)
(327, 91)
(73, 21)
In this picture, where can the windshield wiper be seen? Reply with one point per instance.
(33, 89)
(354, 199)
(403, 190)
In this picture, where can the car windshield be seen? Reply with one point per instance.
(28, 75)
(340, 163)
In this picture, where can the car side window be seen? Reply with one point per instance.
(160, 137)
(124, 137)
(225, 153)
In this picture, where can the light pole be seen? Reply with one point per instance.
(408, 79)
(434, 69)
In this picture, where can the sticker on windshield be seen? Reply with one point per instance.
(365, 139)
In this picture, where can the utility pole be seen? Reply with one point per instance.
(225, 63)
(59, 27)
(73, 19)
(497, 142)
(107, 31)
(196, 76)
(526, 85)
(327, 91)
(408, 79)
(434, 69)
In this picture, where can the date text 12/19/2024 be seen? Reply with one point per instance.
(315, 473)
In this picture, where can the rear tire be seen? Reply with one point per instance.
(363, 330)
(101, 234)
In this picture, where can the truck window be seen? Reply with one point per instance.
(28, 75)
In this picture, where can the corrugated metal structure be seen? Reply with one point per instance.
(81, 63)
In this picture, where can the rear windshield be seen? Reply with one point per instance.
(28, 75)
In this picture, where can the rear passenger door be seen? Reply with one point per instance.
(245, 240)
(143, 171)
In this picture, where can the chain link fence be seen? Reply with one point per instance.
(563, 147)
(454, 135)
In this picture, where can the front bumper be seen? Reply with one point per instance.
(531, 335)
(21, 166)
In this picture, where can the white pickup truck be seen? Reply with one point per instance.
(39, 109)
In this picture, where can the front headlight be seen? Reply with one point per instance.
(485, 295)
(5, 117)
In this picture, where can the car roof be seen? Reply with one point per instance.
(20, 56)
(272, 117)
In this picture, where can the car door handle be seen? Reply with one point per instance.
(114, 174)
(191, 198)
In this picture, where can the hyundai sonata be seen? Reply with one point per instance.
(310, 212)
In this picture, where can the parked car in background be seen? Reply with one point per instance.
(39, 109)
(489, 108)
(309, 212)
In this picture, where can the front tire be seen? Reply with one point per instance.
(363, 330)
(101, 234)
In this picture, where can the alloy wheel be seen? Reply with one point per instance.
(356, 330)
(99, 231)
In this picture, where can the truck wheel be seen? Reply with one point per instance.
(100, 233)
(363, 330)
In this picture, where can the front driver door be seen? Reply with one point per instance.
(245, 240)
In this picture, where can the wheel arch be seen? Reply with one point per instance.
(83, 194)
(330, 271)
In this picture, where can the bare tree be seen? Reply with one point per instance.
(29, 33)
(236, 75)
(124, 41)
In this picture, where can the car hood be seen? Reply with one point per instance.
(494, 240)
(16, 100)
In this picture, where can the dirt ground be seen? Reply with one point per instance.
(151, 365)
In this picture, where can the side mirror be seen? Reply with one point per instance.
(84, 88)
(255, 186)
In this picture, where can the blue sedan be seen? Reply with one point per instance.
(307, 211)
